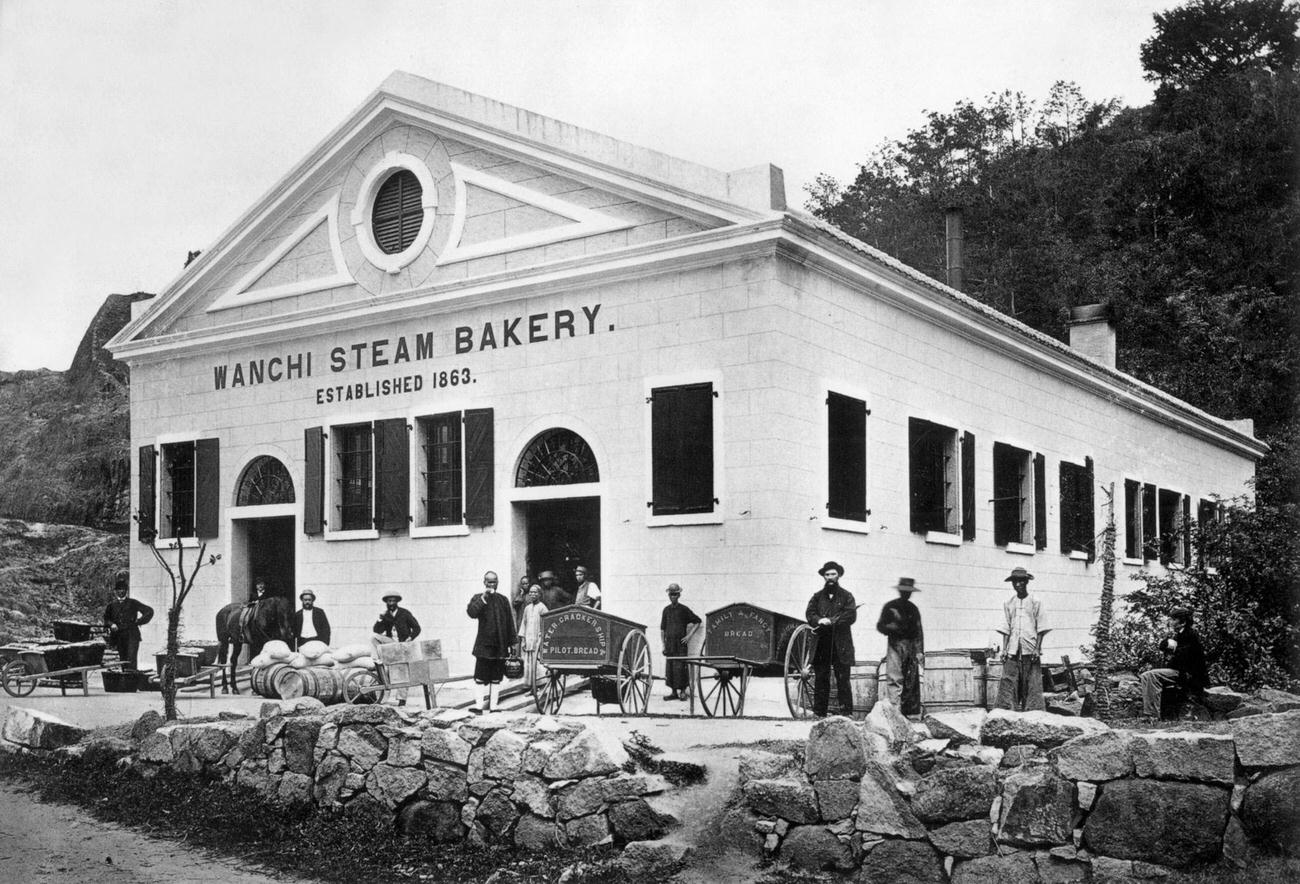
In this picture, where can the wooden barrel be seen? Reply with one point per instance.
(949, 681)
(266, 679)
(865, 687)
(324, 684)
(991, 678)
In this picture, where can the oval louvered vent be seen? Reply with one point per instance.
(398, 213)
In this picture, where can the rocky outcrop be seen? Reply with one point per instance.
(33, 729)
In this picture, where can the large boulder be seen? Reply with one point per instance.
(535, 833)
(960, 726)
(835, 750)
(965, 840)
(1270, 813)
(497, 813)
(586, 755)
(1004, 729)
(1173, 824)
(444, 745)
(885, 719)
(836, 798)
(34, 729)
(1014, 868)
(649, 859)
(445, 782)
(634, 820)
(299, 736)
(902, 862)
(362, 744)
(393, 785)
(1268, 740)
(785, 799)
(1095, 757)
(952, 794)
(1179, 755)
(1037, 807)
(294, 789)
(882, 810)
(587, 831)
(759, 765)
(331, 777)
(1278, 701)
(157, 748)
(502, 755)
(815, 848)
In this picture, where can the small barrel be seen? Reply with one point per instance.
(324, 684)
(267, 679)
(949, 681)
(863, 680)
(992, 678)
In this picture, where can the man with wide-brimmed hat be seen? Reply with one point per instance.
(553, 595)
(1022, 633)
(309, 622)
(676, 624)
(396, 622)
(900, 622)
(831, 613)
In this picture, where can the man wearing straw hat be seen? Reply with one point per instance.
(1022, 630)
(831, 613)
(900, 622)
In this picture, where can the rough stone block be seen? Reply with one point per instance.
(1270, 812)
(1268, 740)
(815, 848)
(445, 782)
(1086, 793)
(38, 730)
(436, 821)
(836, 798)
(1095, 757)
(331, 775)
(1037, 808)
(882, 810)
(835, 750)
(1004, 728)
(902, 862)
(295, 788)
(531, 793)
(362, 744)
(393, 785)
(1053, 870)
(146, 724)
(157, 748)
(582, 798)
(1178, 755)
(1014, 868)
(1173, 824)
(651, 859)
(759, 765)
(300, 736)
(885, 719)
(634, 820)
(476, 729)
(964, 840)
(535, 833)
(374, 714)
(787, 799)
(587, 831)
(586, 755)
(503, 755)
(955, 793)
(445, 746)
(960, 726)
(497, 813)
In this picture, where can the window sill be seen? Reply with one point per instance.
(1139, 563)
(943, 538)
(1078, 555)
(713, 518)
(1174, 566)
(440, 531)
(176, 542)
(364, 534)
(1020, 549)
(850, 525)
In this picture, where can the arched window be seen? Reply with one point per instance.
(264, 481)
(557, 457)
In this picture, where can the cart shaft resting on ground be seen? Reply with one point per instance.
(587, 643)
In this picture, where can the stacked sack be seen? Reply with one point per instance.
(315, 669)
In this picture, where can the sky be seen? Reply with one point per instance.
(135, 131)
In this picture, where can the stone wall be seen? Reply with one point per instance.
(1023, 797)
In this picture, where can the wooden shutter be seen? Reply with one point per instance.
(1150, 523)
(846, 452)
(397, 215)
(1187, 530)
(681, 442)
(967, 486)
(207, 488)
(1087, 512)
(1040, 502)
(1205, 513)
(1132, 519)
(146, 504)
(479, 501)
(1006, 494)
(1069, 507)
(393, 474)
(313, 480)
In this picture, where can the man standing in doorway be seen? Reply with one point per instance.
(396, 623)
(124, 616)
(530, 633)
(496, 636)
(1022, 630)
(553, 595)
(588, 591)
(900, 622)
(519, 598)
(832, 613)
(676, 625)
(309, 622)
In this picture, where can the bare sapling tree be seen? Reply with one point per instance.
(1101, 648)
(182, 584)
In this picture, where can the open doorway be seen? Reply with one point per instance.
(263, 547)
(559, 535)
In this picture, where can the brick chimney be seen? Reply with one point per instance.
(1092, 332)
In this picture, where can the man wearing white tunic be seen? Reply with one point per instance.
(1021, 688)
(530, 632)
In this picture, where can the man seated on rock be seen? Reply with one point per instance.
(1186, 667)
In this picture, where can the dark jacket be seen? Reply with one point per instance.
(496, 626)
(128, 615)
(318, 619)
(1189, 659)
(840, 608)
(901, 619)
(402, 621)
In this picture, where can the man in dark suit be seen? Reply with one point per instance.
(832, 613)
(124, 617)
(309, 622)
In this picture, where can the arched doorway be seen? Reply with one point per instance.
(262, 535)
(558, 526)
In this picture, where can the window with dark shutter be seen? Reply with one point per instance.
(1040, 502)
(398, 213)
(1011, 494)
(313, 492)
(479, 497)
(1185, 528)
(1087, 528)
(1150, 523)
(353, 477)
(1169, 512)
(1207, 512)
(176, 500)
(1076, 508)
(146, 530)
(846, 452)
(392, 475)
(1132, 519)
(441, 454)
(967, 486)
(207, 487)
(932, 480)
(681, 442)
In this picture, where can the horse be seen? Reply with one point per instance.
(252, 624)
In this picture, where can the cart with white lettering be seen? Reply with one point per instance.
(743, 641)
(586, 643)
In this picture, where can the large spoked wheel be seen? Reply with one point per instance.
(799, 672)
(363, 687)
(548, 692)
(17, 680)
(635, 676)
(720, 692)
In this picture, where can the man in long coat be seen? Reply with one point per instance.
(832, 613)
(124, 617)
(496, 636)
(900, 622)
(676, 625)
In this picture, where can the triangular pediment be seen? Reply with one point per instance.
(485, 190)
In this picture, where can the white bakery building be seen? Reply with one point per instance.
(460, 336)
